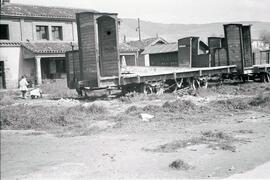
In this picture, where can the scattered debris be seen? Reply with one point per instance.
(146, 117)
(180, 165)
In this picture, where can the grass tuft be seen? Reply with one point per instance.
(178, 106)
(180, 165)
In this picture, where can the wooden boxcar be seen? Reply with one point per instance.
(238, 42)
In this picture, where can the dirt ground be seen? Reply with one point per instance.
(218, 133)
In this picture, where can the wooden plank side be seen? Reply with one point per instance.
(108, 50)
(184, 52)
(72, 68)
(201, 60)
(87, 47)
(222, 55)
(213, 43)
(247, 46)
(233, 35)
(164, 59)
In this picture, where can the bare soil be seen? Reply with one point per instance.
(220, 132)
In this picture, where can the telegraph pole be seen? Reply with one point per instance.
(139, 29)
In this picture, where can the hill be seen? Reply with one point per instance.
(172, 32)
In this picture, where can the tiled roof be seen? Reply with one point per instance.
(48, 47)
(10, 9)
(161, 48)
(4, 43)
(124, 47)
(145, 42)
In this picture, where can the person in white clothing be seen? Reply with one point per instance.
(23, 86)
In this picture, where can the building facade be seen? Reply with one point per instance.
(33, 42)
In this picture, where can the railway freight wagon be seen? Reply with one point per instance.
(96, 64)
(238, 46)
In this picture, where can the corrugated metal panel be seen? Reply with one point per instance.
(162, 48)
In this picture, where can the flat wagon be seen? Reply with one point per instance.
(96, 65)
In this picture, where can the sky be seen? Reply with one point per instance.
(172, 11)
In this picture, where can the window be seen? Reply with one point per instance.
(42, 32)
(4, 33)
(57, 33)
(60, 66)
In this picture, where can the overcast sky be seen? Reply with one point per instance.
(172, 11)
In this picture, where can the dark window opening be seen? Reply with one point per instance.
(57, 33)
(42, 32)
(60, 66)
(4, 32)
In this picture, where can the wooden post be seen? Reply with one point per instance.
(38, 70)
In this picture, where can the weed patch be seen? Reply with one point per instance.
(231, 104)
(214, 140)
(6, 100)
(152, 108)
(180, 165)
(178, 106)
(260, 100)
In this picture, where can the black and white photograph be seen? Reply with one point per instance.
(134, 89)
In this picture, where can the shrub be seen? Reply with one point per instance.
(180, 165)
(232, 104)
(132, 109)
(92, 109)
(152, 108)
(6, 100)
(260, 100)
(178, 106)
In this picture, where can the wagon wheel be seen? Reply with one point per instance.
(195, 84)
(147, 89)
(267, 77)
(178, 85)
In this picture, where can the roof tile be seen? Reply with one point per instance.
(161, 48)
(48, 47)
(145, 42)
(124, 47)
(12, 9)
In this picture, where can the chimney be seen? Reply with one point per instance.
(5, 2)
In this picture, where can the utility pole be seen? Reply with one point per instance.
(139, 29)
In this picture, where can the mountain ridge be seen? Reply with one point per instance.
(172, 32)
